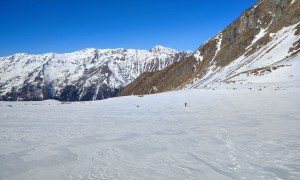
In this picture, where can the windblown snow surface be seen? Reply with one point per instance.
(221, 134)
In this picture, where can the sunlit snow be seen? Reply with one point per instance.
(222, 134)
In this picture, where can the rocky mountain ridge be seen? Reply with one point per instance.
(260, 47)
(89, 74)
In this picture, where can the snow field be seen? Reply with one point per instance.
(222, 134)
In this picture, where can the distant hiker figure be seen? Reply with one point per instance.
(185, 104)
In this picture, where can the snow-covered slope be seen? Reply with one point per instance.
(259, 49)
(272, 65)
(88, 74)
(220, 135)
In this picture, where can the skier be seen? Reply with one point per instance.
(185, 104)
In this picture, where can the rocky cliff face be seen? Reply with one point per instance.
(264, 40)
(89, 74)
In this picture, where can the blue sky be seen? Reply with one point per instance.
(41, 26)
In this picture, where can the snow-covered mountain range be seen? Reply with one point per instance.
(89, 74)
(259, 49)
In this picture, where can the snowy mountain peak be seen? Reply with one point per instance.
(159, 48)
(88, 74)
(88, 50)
(20, 54)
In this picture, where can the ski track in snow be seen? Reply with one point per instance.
(221, 134)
